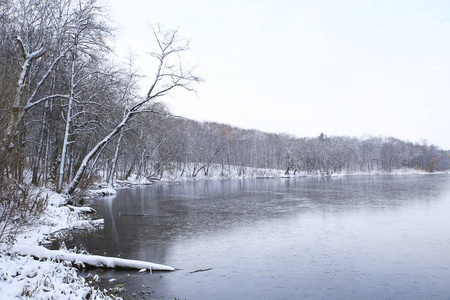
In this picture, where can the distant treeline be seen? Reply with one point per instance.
(69, 115)
(165, 141)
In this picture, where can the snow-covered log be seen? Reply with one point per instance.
(89, 260)
(83, 209)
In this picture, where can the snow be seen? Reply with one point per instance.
(22, 276)
(25, 277)
(57, 218)
(103, 192)
(217, 172)
(79, 210)
(402, 171)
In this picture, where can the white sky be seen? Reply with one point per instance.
(354, 68)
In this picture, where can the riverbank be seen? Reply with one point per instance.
(218, 172)
(22, 276)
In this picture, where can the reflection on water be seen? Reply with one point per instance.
(352, 237)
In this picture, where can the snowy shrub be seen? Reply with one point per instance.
(20, 204)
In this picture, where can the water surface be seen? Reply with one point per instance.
(356, 237)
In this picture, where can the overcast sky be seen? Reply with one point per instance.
(303, 67)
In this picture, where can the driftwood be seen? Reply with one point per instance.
(134, 215)
(201, 270)
(83, 260)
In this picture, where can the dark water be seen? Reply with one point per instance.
(359, 237)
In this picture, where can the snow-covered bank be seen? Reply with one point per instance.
(217, 172)
(56, 218)
(212, 172)
(22, 276)
(30, 271)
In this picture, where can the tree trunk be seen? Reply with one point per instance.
(76, 180)
(67, 129)
(114, 162)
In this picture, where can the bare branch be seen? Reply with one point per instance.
(31, 105)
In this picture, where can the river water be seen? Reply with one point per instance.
(355, 237)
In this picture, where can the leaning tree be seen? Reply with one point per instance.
(170, 75)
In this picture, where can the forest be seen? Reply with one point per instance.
(70, 114)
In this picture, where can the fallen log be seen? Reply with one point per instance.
(83, 209)
(89, 260)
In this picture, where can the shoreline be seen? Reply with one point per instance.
(102, 190)
(17, 273)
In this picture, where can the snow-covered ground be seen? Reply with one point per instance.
(24, 276)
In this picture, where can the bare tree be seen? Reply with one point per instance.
(42, 42)
(170, 75)
(88, 44)
(127, 96)
(35, 24)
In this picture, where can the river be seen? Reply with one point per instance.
(354, 237)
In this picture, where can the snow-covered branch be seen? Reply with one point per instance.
(31, 105)
(30, 102)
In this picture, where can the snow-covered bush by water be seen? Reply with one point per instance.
(20, 204)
